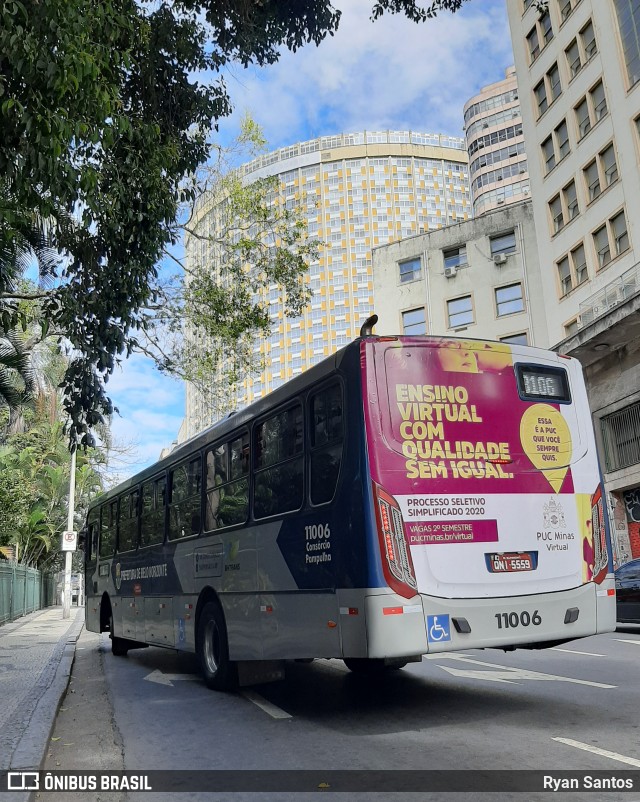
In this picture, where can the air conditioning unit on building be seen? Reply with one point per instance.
(450, 271)
(499, 258)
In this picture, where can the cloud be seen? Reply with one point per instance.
(151, 409)
(391, 74)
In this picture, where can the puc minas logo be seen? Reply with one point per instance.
(118, 576)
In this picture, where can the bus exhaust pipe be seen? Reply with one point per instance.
(366, 330)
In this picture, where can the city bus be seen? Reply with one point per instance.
(406, 496)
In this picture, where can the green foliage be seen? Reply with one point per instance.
(104, 124)
(34, 490)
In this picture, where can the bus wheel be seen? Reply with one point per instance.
(369, 665)
(218, 671)
(119, 646)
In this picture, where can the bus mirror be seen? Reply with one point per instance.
(82, 539)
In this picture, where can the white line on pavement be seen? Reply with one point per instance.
(273, 710)
(507, 674)
(621, 640)
(631, 761)
(575, 651)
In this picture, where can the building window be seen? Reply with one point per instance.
(533, 44)
(571, 327)
(579, 265)
(562, 140)
(565, 8)
(583, 120)
(564, 274)
(414, 321)
(516, 339)
(592, 180)
(621, 437)
(611, 239)
(556, 213)
(601, 172)
(618, 225)
(553, 81)
(540, 92)
(588, 41)
(598, 101)
(548, 155)
(542, 31)
(460, 312)
(572, 270)
(572, 54)
(628, 12)
(601, 244)
(591, 109)
(455, 257)
(608, 165)
(570, 200)
(509, 300)
(503, 243)
(410, 270)
(547, 90)
(545, 26)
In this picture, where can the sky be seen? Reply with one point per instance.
(391, 74)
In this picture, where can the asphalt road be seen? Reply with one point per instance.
(576, 707)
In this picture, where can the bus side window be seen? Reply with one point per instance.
(185, 484)
(326, 443)
(93, 530)
(227, 484)
(108, 528)
(152, 512)
(128, 524)
(279, 470)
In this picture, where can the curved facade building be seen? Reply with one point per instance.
(357, 191)
(498, 169)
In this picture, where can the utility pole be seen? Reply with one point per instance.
(66, 599)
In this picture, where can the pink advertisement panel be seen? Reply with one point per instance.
(488, 488)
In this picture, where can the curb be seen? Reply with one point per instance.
(30, 750)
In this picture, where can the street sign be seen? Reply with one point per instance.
(69, 541)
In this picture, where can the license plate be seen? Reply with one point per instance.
(511, 562)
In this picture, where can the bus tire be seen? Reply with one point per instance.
(370, 665)
(220, 673)
(119, 646)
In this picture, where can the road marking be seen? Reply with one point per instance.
(631, 761)
(273, 710)
(575, 651)
(509, 675)
(621, 640)
(161, 678)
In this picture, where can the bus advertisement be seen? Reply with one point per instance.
(406, 496)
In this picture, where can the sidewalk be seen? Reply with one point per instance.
(36, 654)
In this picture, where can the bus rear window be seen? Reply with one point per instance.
(543, 383)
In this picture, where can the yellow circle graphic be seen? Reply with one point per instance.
(546, 440)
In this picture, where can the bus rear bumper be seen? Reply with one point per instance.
(399, 627)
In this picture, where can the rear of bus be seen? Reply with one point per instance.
(486, 492)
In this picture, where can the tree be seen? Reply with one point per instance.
(204, 326)
(104, 125)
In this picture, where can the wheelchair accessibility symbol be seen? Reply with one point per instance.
(438, 628)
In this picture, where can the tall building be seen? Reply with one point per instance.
(578, 68)
(357, 191)
(495, 143)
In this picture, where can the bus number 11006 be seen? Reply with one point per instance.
(523, 619)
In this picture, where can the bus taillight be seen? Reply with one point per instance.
(398, 565)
